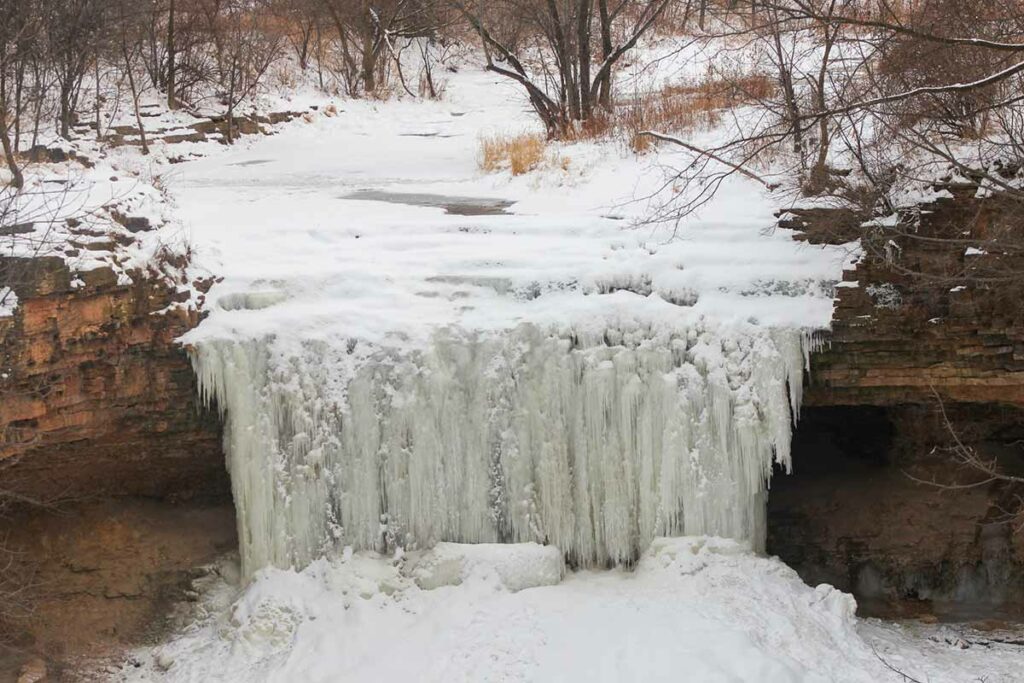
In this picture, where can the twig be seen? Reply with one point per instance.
(907, 678)
(711, 155)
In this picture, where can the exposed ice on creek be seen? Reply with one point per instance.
(594, 445)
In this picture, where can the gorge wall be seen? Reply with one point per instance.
(927, 348)
(97, 397)
(112, 472)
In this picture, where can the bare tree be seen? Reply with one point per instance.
(367, 31)
(978, 470)
(17, 38)
(249, 49)
(873, 96)
(565, 84)
(73, 28)
(130, 44)
(172, 54)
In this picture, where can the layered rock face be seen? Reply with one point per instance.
(926, 312)
(97, 399)
(112, 473)
(927, 349)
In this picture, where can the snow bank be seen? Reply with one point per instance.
(516, 566)
(101, 217)
(700, 609)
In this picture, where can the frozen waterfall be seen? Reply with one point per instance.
(595, 445)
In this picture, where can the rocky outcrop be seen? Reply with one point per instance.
(926, 312)
(95, 396)
(195, 129)
(926, 348)
(112, 477)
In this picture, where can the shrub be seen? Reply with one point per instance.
(520, 154)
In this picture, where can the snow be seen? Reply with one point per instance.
(516, 566)
(91, 218)
(8, 302)
(287, 213)
(694, 608)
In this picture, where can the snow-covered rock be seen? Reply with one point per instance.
(515, 566)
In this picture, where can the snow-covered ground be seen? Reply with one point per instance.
(694, 609)
(327, 222)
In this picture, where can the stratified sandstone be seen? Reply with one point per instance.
(924, 324)
(113, 479)
(97, 398)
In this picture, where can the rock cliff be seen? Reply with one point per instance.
(113, 481)
(926, 348)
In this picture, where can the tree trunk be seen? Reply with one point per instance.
(65, 111)
(569, 95)
(789, 93)
(172, 102)
(319, 60)
(604, 97)
(231, 106)
(586, 11)
(369, 68)
(96, 112)
(18, 180)
(37, 117)
(135, 97)
(19, 101)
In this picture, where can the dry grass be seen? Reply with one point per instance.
(600, 125)
(687, 106)
(674, 109)
(520, 153)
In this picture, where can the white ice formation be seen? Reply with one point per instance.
(593, 445)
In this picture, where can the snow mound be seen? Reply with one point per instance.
(516, 565)
(696, 608)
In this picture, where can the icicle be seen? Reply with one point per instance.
(593, 443)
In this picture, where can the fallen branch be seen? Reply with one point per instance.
(710, 155)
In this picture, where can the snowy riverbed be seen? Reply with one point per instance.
(355, 225)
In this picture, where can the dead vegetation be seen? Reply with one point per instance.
(519, 154)
(686, 107)
(694, 105)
